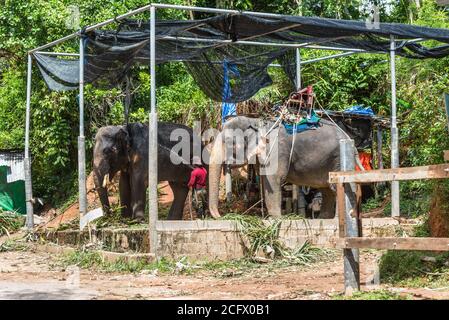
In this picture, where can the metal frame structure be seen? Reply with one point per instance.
(152, 191)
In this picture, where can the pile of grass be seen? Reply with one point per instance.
(14, 245)
(262, 237)
(10, 222)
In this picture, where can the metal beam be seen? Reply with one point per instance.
(310, 45)
(344, 54)
(58, 54)
(152, 141)
(27, 161)
(216, 10)
(395, 212)
(93, 27)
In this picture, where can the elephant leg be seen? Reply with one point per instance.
(138, 195)
(125, 194)
(272, 194)
(180, 193)
(328, 206)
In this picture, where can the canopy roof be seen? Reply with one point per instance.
(207, 45)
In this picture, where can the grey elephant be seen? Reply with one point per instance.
(125, 149)
(315, 153)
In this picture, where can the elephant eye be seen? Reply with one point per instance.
(110, 150)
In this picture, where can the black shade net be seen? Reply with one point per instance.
(110, 54)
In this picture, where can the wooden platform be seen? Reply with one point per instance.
(411, 243)
(438, 171)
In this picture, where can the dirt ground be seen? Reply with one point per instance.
(32, 275)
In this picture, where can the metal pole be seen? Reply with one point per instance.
(344, 54)
(152, 141)
(58, 54)
(298, 69)
(394, 132)
(350, 256)
(228, 183)
(27, 162)
(81, 139)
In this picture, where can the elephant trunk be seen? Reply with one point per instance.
(101, 180)
(215, 165)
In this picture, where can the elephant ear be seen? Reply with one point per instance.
(123, 140)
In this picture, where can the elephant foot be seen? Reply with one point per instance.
(126, 213)
(215, 214)
(139, 218)
(328, 204)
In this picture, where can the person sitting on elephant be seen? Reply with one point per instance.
(197, 186)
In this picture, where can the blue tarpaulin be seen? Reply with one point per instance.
(360, 109)
(228, 109)
(311, 122)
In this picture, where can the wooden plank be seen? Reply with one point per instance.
(412, 243)
(442, 2)
(438, 171)
(351, 258)
(358, 209)
(446, 107)
(341, 209)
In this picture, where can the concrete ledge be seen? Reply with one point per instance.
(217, 239)
(107, 256)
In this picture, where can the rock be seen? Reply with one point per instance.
(269, 251)
(429, 259)
(262, 259)
(37, 219)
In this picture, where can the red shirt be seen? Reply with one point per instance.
(198, 178)
(365, 159)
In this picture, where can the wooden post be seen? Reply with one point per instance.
(228, 181)
(446, 107)
(301, 202)
(350, 256)
(295, 198)
(379, 140)
(288, 199)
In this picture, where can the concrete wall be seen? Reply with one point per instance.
(219, 240)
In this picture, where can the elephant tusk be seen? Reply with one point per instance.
(106, 180)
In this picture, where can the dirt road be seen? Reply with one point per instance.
(31, 275)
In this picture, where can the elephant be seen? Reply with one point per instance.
(305, 160)
(125, 149)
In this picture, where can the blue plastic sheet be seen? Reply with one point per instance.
(360, 109)
(228, 109)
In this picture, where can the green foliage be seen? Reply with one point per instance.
(373, 295)
(10, 223)
(262, 238)
(409, 268)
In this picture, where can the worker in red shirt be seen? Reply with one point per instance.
(197, 186)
